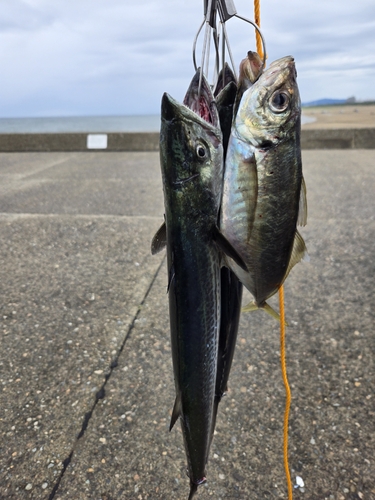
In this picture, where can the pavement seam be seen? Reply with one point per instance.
(46, 167)
(100, 394)
(17, 183)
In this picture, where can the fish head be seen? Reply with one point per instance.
(225, 77)
(272, 106)
(250, 68)
(191, 142)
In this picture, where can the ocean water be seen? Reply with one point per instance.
(86, 124)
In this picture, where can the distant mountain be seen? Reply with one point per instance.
(325, 102)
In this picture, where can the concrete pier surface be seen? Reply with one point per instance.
(85, 362)
(340, 116)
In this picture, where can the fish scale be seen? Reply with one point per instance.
(263, 183)
(274, 224)
(239, 200)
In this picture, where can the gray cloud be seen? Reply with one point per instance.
(92, 57)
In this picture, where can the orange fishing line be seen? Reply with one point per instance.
(257, 22)
(282, 311)
(287, 390)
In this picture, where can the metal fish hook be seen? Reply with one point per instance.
(225, 10)
(260, 34)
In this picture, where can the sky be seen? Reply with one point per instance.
(117, 57)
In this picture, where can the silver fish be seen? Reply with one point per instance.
(264, 195)
(231, 287)
(191, 158)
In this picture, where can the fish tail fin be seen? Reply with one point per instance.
(176, 413)
(193, 490)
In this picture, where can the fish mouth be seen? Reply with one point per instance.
(225, 76)
(199, 106)
(251, 67)
(280, 71)
(279, 90)
(199, 99)
(282, 63)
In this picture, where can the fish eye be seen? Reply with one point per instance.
(279, 101)
(201, 151)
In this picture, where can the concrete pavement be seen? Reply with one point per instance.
(85, 361)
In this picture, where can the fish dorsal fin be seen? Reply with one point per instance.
(159, 241)
(226, 247)
(302, 210)
(299, 252)
(176, 413)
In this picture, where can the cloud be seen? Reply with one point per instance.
(95, 57)
(19, 16)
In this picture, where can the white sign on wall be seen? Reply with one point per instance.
(97, 141)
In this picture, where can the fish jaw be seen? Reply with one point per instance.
(225, 77)
(225, 104)
(201, 100)
(250, 69)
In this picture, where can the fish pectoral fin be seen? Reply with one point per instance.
(226, 247)
(302, 209)
(159, 241)
(299, 252)
(176, 413)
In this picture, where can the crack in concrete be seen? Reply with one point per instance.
(101, 392)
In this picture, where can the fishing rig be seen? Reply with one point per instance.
(216, 15)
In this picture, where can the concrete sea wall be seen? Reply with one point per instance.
(361, 138)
